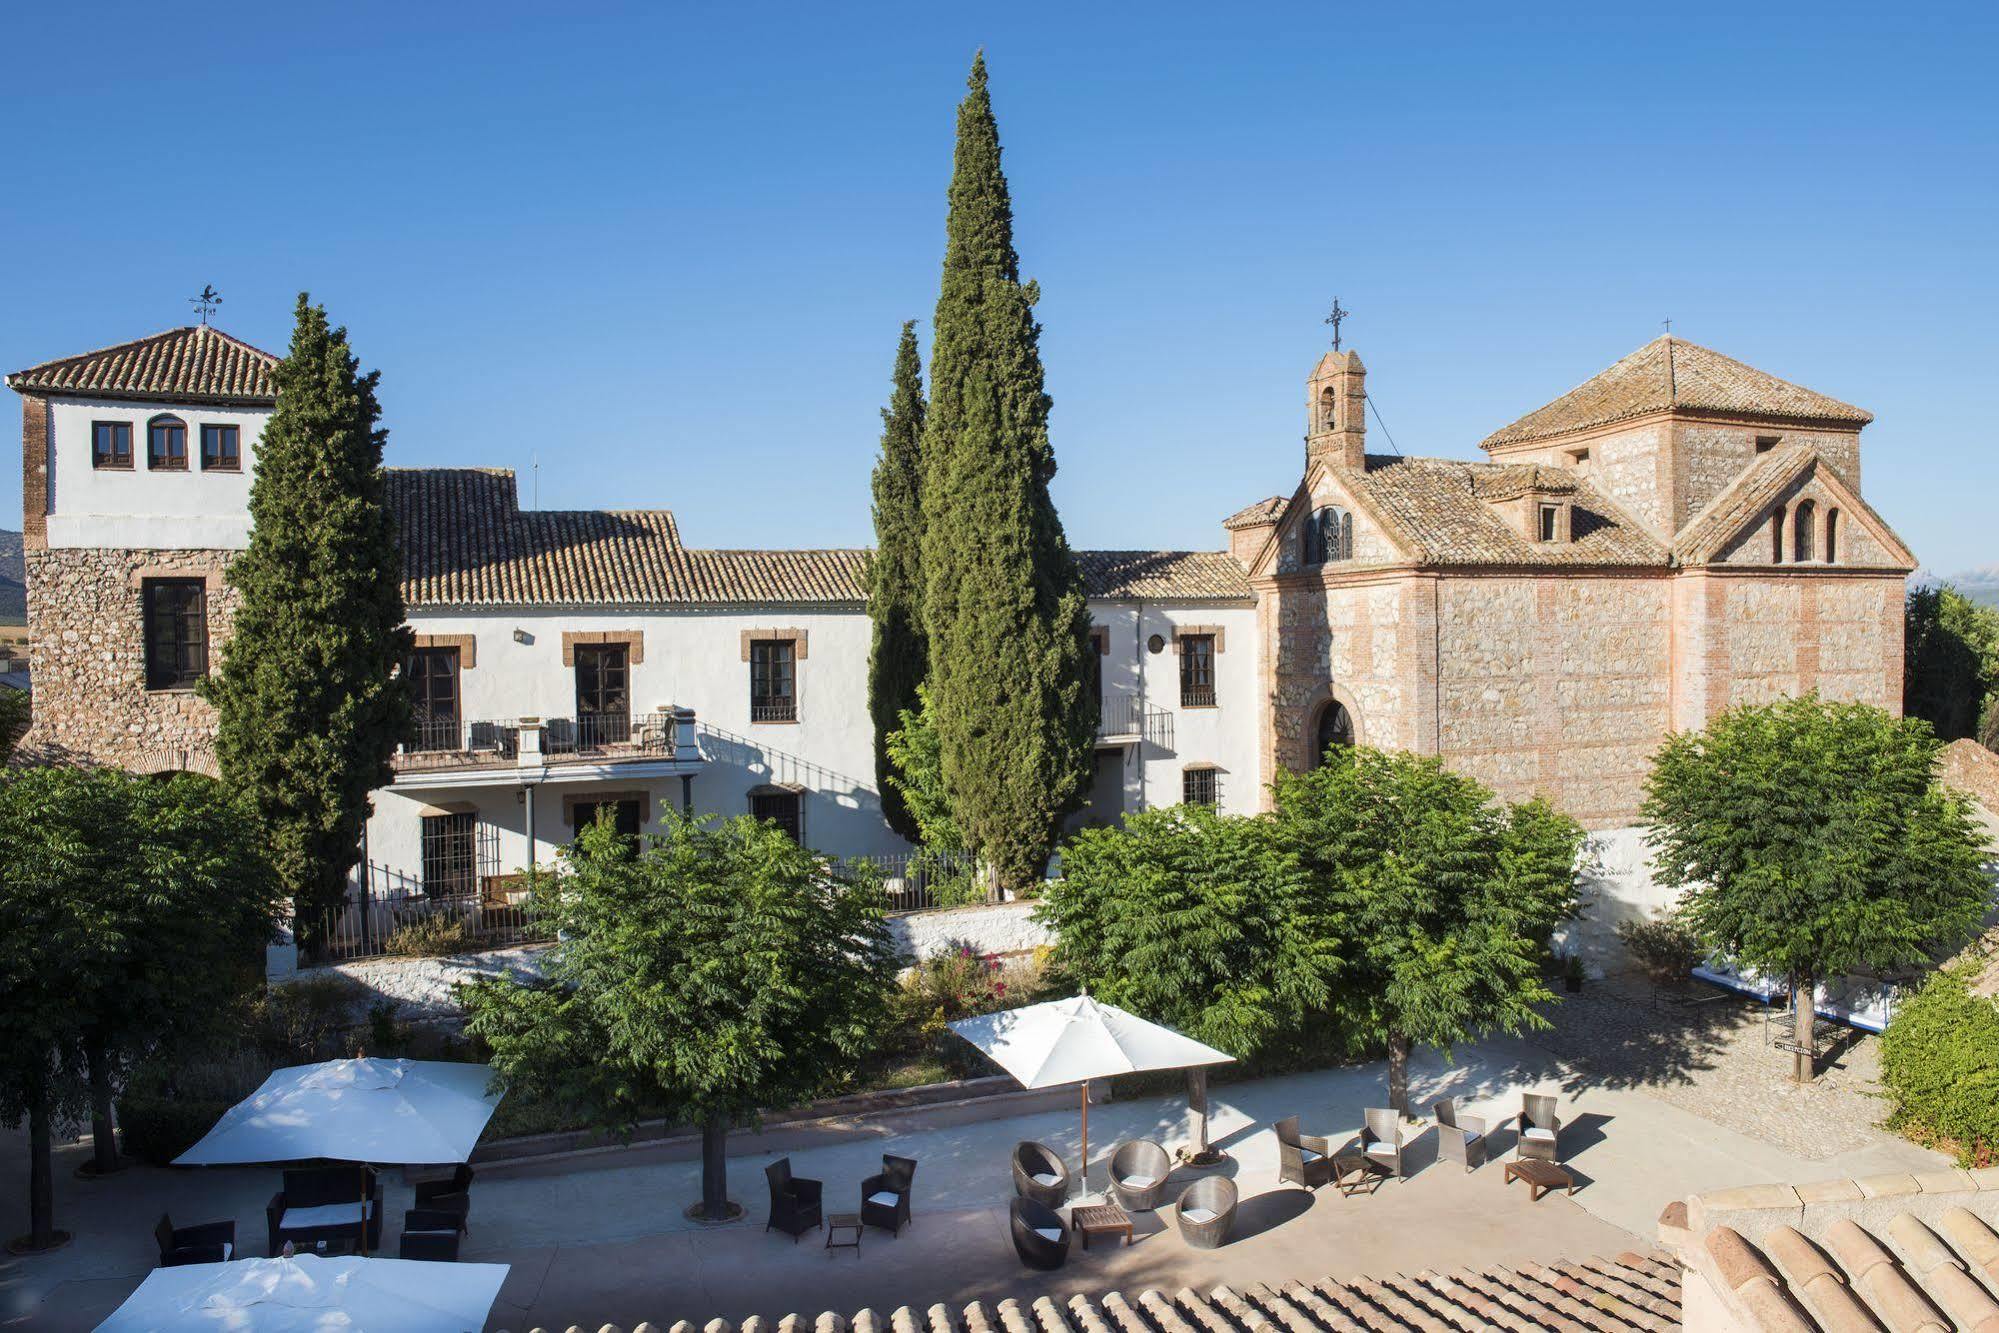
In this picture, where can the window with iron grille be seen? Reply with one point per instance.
(111, 444)
(623, 814)
(1197, 670)
(1328, 536)
(603, 694)
(1200, 786)
(773, 680)
(221, 449)
(176, 628)
(433, 676)
(450, 855)
(166, 444)
(781, 808)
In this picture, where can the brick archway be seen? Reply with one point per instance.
(1306, 754)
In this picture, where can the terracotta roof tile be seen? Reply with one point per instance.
(195, 364)
(1442, 511)
(1743, 501)
(1673, 374)
(467, 542)
(1263, 511)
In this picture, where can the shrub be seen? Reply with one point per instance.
(303, 1021)
(1940, 1066)
(1666, 948)
(433, 935)
(158, 1128)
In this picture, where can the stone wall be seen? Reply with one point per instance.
(91, 700)
(1973, 770)
(1753, 637)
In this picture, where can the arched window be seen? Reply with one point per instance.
(1803, 522)
(1329, 410)
(166, 444)
(1777, 536)
(1335, 727)
(1831, 535)
(1329, 536)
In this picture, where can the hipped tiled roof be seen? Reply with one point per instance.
(1632, 1293)
(1671, 373)
(466, 542)
(1443, 512)
(192, 364)
(1263, 511)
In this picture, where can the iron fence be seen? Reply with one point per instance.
(448, 909)
(1128, 715)
(927, 881)
(609, 733)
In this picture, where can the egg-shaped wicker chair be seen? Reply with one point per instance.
(1040, 1237)
(1138, 1175)
(1040, 1174)
(1206, 1212)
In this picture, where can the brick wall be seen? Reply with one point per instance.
(91, 700)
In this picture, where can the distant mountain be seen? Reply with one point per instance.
(13, 581)
(1981, 585)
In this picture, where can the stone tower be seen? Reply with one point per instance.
(1336, 411)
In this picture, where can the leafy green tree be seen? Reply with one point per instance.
(1950, 660)
(900, 655)
(1446, 898)
(1812, 839)
(1003, 601)
(715, 973)
(918, 777)
(16, 712)
(1988, 727)
(1201, 921)
(310, 699)
(1940, 1065)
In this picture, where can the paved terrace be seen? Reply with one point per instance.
(599, 1239)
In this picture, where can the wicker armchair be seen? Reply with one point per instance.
(455, 1193)
(1460, 1137)
(208, 1243)
(1040, 1174)
(433, 1246)
(1302, 1159)
(1040, 1237)
(1540, 1128)
(885, 1195)
(794, 1200)
(1381, 1139)
(1206, 1212)
(1139, 1170)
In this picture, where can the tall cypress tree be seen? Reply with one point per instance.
(901, 654)
(1003, 602)
(309, 700)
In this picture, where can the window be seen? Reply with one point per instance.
(166, 444)
(1200, 786)
(1579, 459)
(1197, 671)
(1831, 535)
(780, 808)
(1329, 410)
(176, 616)
(450, 855)
(603, 694)
(1328, 536)
(433, 677)
(111, 444)
(1765, 443)
(1802, 536)
(773, 677)
(220, 451)
(1777, 536)
(1335, 729)
(623, 812)
(1550, 522)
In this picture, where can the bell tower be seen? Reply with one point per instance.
(1336, 411)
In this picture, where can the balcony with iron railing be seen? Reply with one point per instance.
(457, 743)
(1123, 719)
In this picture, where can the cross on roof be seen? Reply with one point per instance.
(1334, 320)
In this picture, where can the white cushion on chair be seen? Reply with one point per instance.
(1385, 1151)
(1053, 1235)
(1140, 1182)
(1470, 1137)
(1538, 1134)
(1198, 1214)
(1309, 1155)
(1045, 1178)
(324, 1215)
(886, 1198)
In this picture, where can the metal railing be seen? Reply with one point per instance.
(452, 743)
(1197, 696)
(1127, 715)
(392, 912)
(774, 710)
(928, 881)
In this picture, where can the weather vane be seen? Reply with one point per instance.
(1334, 320)
(206, 302)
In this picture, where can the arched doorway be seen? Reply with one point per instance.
(1335, 727)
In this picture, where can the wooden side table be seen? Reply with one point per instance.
(1356, 1172)
(1100, 1218)
(1540, 1177)
(847, 1222)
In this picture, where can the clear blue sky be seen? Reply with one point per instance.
(665, 250)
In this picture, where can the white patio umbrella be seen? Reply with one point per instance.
(399, 1112)
(311, 1293)
(1076, 1040)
